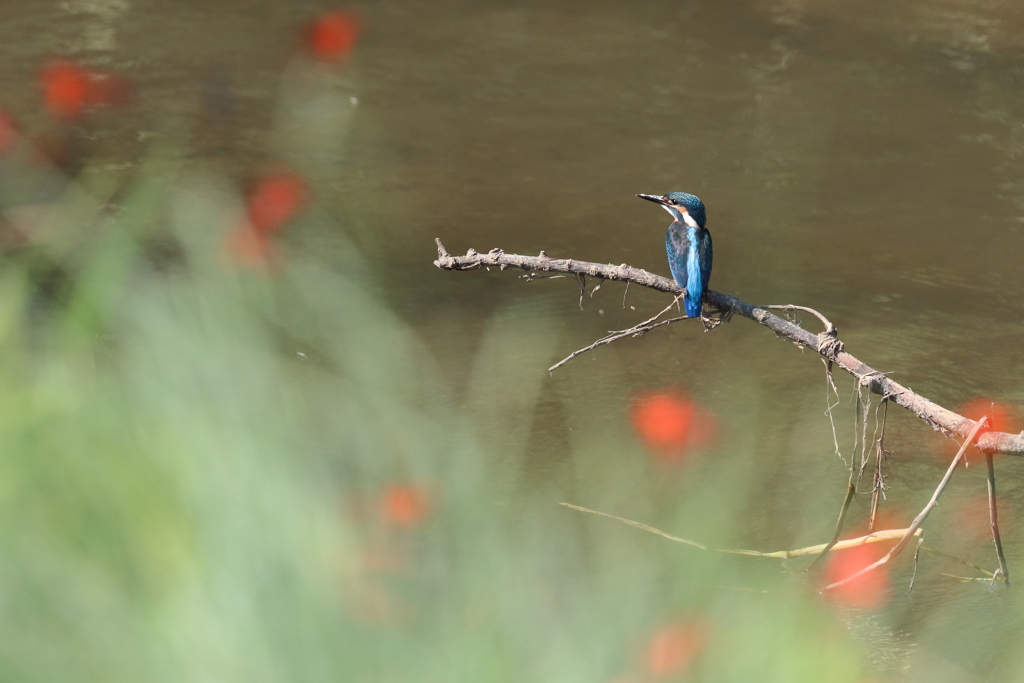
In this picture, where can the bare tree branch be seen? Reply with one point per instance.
(827, 344)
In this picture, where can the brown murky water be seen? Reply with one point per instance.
(858, 158)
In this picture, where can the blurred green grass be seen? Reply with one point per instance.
(196, 460)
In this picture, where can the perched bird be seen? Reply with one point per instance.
(688, 244)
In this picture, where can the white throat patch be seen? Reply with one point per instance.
(687, 218)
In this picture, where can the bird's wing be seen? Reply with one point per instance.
(705, 253)
(677, 245)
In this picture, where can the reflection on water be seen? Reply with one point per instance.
(859, 158)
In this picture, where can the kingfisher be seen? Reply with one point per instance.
(688, 244)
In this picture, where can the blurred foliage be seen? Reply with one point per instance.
(215, 471)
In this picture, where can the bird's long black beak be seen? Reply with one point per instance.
(656, 198)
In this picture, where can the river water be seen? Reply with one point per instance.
(860, 158)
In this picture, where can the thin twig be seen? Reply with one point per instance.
(850, 485)
(828, 346)
(850, 489)
(993, 516)
(880, 455)
(865, 408)
(829, 327)
(637, 525)
(965, 579)
(876, 537)
(636, 331)
(830, 382)
(962, 561)
(919, 520)
(917, 556)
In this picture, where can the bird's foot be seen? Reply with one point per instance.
(710, 323)
(720, 315)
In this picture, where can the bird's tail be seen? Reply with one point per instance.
(692, 308)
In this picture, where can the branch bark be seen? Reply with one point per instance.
(826, 344)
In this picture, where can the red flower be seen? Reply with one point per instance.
(333, 36)
(670, 424)
(69, 87)
(65, 86)
(866, 592)
(404, 505)
(274, 200)
(672, 649)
